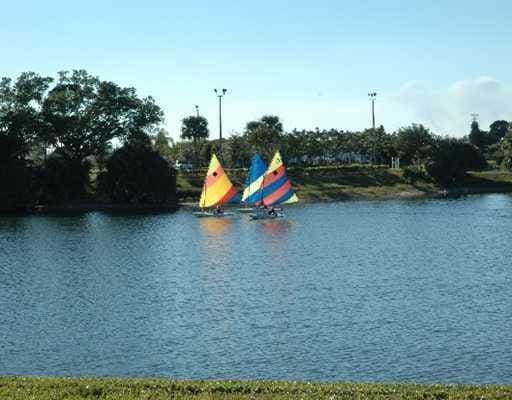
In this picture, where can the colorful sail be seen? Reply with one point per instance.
(217, 188)
(277, 187)
(254, 181)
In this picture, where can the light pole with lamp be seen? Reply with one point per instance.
(220, 93)
(372, 97)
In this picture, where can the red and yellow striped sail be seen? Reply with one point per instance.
(217, 188)
(277, 187)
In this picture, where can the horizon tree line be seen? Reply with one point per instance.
(78, 137)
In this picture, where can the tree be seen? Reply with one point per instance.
(413, 144)
(378, 144)
(506, 148)
(238, 151)
(65, 178)
(195, 128)
(264, 135)
(161, 144)
(452, 158)
(498, 130)
(137, 174)
(20, 104)
(477, 137)
(82, 114)
(20, 124)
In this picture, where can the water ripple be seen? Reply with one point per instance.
(366, 291)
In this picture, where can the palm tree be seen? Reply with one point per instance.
(195, 128)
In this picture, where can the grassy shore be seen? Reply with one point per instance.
(128, 389)
(359, 182)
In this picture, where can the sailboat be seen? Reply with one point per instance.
(217, 191)
(253, 183)
(276, 188)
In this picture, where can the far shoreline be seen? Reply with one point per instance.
(319, 185)
(80, 208)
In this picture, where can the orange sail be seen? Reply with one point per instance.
(217, 188)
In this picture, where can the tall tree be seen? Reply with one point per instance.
(477, 137)
(161, 144)
(20, 104)
(20, 124)
(264, 135)
(506, 148)
(195, 128)
(414, 144)
(498, 130)
(239, 153)
(82, 114)
(378, 145)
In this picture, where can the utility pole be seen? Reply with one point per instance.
(197, 110)
(474, 117)
(220, 93)
(372, 97)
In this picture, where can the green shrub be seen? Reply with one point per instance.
(136, 174)
(452, 158)
(18, 191)
(64, 178)
(413, 174)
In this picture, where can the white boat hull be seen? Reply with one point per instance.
(211, 214)
(245, 210)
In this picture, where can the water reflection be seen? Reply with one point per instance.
(215, 226)
(278, 228)
(216, 242)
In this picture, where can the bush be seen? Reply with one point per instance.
(64, 178)
(414, 174)
(136, 174)
(452, 158)
(18, 190)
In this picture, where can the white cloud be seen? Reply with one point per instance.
(447, 110)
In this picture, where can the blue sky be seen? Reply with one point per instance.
(310, 62)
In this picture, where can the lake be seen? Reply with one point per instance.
(353, 291)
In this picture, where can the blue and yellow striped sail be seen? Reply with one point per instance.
(254, 181)
(277, 187)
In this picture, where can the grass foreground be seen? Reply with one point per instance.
(358, 182)
(105, 388)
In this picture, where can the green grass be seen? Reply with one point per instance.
(356, 182)
(325, 183)
(87, 388)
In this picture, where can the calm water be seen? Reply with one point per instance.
(366, 291)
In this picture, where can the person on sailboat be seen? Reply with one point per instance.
(218, 210)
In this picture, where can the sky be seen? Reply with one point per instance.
(312, 63)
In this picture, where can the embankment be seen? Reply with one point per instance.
(358, 183)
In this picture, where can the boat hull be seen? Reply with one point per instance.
(264, 214)
(245, 210)
(210, 214)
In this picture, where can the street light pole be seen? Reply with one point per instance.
(197, 110)
(220, 93)
(372, 97)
